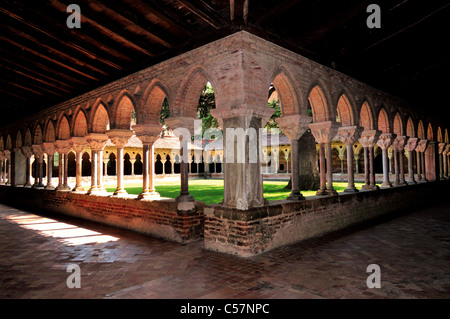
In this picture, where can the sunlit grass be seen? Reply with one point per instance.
(210, 191)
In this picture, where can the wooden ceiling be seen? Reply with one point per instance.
(44, 62)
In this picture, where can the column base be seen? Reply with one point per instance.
(366, 187)
(423, 180)
(397, 183)
(412, 182)
(331, 192)
(28, 185)
(351, 190)
(93, 190)
(63, 188)
(185, 198)
(50, 187)
(37, 186)
(78, 189)
(386, 184)
(120, 192)
(149, 196)
(295, 196)
(322, 192)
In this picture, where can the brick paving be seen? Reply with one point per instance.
(36, 248)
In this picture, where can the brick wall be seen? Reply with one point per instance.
(180, 222)
(247, 233)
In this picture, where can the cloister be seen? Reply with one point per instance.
(355, 120)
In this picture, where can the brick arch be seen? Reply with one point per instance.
(285, 87)
(446, 137)
(420, 130)
(49, 132)
(99, 122)
(150, 109)
(383, 121)
(439, 135)
(63, 128)
(37, 135)
(18, 142)
(8, 144)
(191, 88)
(319, 105)
(2, 144)
(410, 131)
(366, 118)
(430, 135)
(344, 111)
(121, 117)
(398, 124)
(80, 124)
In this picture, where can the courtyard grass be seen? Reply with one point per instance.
(210, 191)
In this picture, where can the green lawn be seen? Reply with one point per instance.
(210, 191)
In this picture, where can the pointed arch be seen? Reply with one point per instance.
(398, 124)
(8, 145)
(154, 96)
(430, 135)
(383, 121)
(63, 128)
(100, 118)
(123, 111)
(344, 111)
(191, 88)
(410, 128)
(287, 95)
(49, 132)
(37, 135)
(319, 105)
(420, 130)
(80, 124)
(446, 137)
(2, 144)
(19, 139)
(366, 117)
(439, 135)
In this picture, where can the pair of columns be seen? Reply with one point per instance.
(5, 168)
(443, 160)
(420, 151)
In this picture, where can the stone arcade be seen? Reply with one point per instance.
(240, 67)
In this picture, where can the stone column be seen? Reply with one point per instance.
(148, 134)
(97, 142)
(78, 144)
(410, 146)
(446, 161)
(26, 150)
(105, 161)
(368, 140)
(38, 155)
(441, 160)
(398, 148)
(324, 133)
(294, 126)
(384, 141)
(132, 161)
(63, 148)
(120, 139)
(7, 167)
(356, 157)
(1, 167)
(422, 146)
(49, 149)
(349, 135)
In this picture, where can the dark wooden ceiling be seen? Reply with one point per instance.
(44, 62)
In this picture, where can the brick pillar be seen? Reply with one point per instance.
(78, 144)
(120, 139)
(97, 142)
(349, 135)
(324, 133)
(148, 134)
(294, 126)
(384, 141)
(410, 146)
(368, 140)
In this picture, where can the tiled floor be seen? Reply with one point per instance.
(413, 252)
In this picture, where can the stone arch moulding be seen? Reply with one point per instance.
(123, 107)
(18, 142)
(28, 141)
(100, 119)
(285, 84)
(37, 135)
(151, 102)
(189, 92)
(410, 128)
(430, 132)
(320, 102)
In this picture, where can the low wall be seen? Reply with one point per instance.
(180, 222)
(247, 233)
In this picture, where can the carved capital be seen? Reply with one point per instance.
(119, 137)
(148, 133)
(48, 148)
(62, 146)
(446, 149)
(422, 146)
(97, 141)
(369, 138)
(293, 126)
(399, 143)
(385, 140)
(222, 113)
(349, 134)
(78, 143)
(324, 132)
(37, 150)
(411, 144)
(181, 122)
(26, 150)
